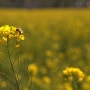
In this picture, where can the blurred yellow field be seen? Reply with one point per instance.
(54, 40)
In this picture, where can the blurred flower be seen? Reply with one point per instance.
(46, 79)
(3, 84)
(86, 84)
(33, 69)
(55, 46)
(11, 36)
(73, 73)
(49, 53)
(88, 79)
(17, 45)
(4, 39)
(67, 86)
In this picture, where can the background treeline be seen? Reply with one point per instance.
(44, 3)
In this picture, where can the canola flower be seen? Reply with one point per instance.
(33, 69)
(10, 32)
(7, 33)
(46, 80)
(72, 73)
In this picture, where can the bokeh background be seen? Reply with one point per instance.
(57, 35)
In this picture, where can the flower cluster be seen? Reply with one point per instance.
(10, 32)
(71, 74)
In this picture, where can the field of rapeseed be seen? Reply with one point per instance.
(55, 54)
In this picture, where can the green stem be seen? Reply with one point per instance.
(9, 57)
(74, 85)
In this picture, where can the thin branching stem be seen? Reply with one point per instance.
(30, 82)
(26, 82)
(7, 76)
(11, 63)
(74, 85)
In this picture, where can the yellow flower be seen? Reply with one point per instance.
(20, 37)
(17, 45)
(33, 69)
(10, 32)
(70, 73)
(46, 79)
(4, 39)
(11, 36)
(5, 30)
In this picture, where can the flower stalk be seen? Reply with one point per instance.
(8, 33)
(11, 63)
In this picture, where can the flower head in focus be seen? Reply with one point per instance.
(9, 32)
